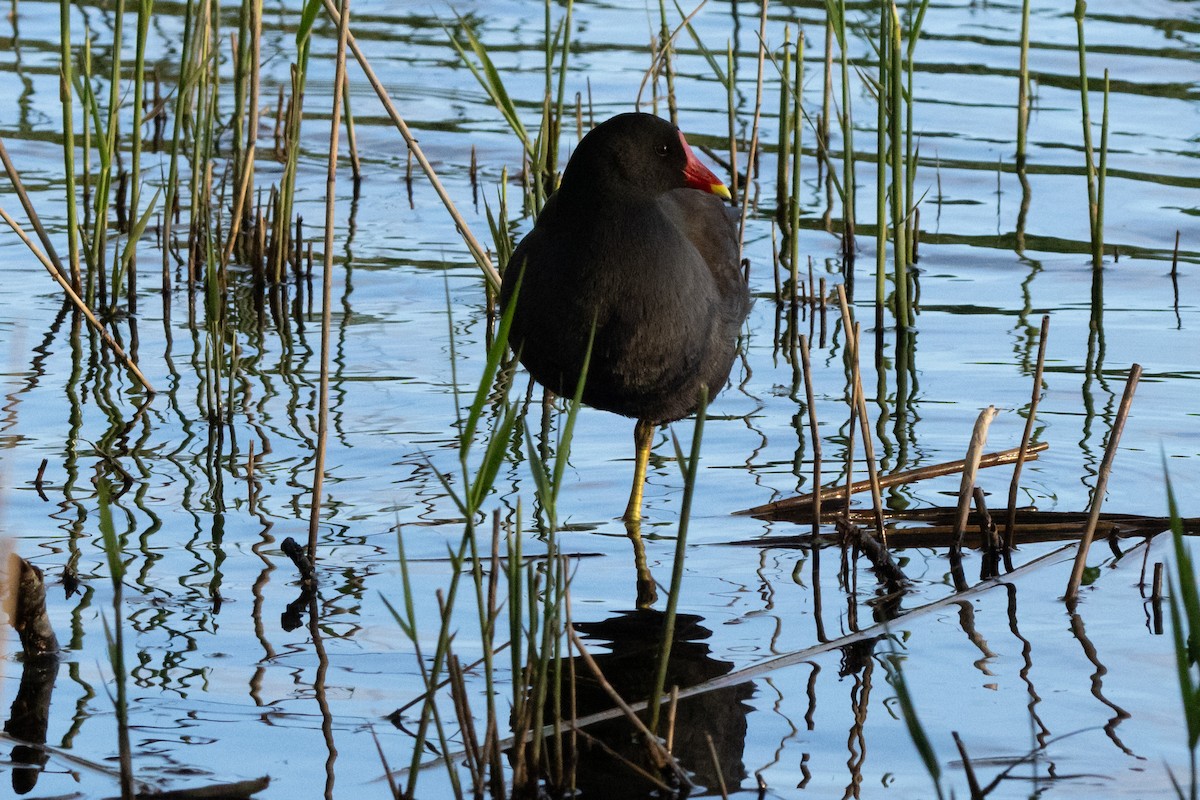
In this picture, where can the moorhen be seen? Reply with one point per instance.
(638, 243)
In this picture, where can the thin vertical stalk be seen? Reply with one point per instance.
(1098, 232)
(784, 149)
(899, 244)
(797, 141)
(734, 187)
(108, 143)
(246, 180)
(1110, 452)
(1088, 152)
(1023, 89)
(914, 34)
(145, 8)
(1010, 524)
(752, 155)
(66, 78)
(881, 155)
(690, 467)
(339, 81)
(848, 191)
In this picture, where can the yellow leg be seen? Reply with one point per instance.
(643, 437)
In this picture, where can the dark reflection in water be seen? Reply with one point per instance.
(29, 720)
(633, 639)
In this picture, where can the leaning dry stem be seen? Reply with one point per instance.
(481, 257)
(1110, 452)
(1015, 485)
(838, 492)
(974, 449)
(77, 301)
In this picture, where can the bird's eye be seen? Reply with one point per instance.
(661, 149)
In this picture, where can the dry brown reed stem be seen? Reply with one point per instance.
(339, 82)
(79, 304)
(860, 403)
(813, 432)
(868, 441)
(752, 156)
(243, 189)
(1110, 452)
(712, 752)
(659, 754)
(477, 252)
(655, 64)
(974, 450)
(36, 221)
(1015, 485)
(895, 479)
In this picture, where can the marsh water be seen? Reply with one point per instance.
(223, 686)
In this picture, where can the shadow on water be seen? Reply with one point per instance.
(708, 732)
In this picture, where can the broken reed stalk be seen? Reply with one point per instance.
(974, 449)
(838, 492)
(859, 402)
(477, 252)
(1015, 485)
(1110, 452)
(80, 306)
(335, 127)
(814, 434)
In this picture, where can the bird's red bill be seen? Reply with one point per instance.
(699, 176)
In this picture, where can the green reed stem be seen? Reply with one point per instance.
(667, 67)
(66, 78)
(914, 34)
(848, 186)
(783, 154)
(689, 467)
(116, 637)
(797, 151)
(145, 8)
(183, 95)
(1185, 632)
(1088, 152)
(108, 139)
(899, 224)
(1098, 237)
(881, 160)
(1023, 89)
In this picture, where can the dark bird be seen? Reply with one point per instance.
(637, 243)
